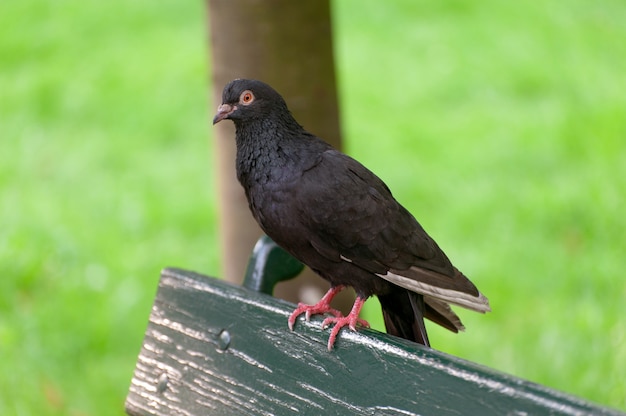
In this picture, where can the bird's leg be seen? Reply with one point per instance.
(323, 306)
(352, 320)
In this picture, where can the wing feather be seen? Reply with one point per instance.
(358, 220)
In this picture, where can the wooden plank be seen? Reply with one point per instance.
(214, 348)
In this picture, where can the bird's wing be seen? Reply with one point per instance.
(357, 219)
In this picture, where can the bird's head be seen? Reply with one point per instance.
(246, 100)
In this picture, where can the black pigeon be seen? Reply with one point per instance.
(337, 217)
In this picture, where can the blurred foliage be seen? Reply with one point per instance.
(499, 125)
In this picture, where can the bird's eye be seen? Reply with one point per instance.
(246, 97)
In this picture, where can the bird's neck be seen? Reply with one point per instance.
(268, 151)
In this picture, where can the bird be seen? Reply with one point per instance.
(337, 217)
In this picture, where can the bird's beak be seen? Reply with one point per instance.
(223, 111)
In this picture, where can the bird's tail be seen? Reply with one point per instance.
(403, 312)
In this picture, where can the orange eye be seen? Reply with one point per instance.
(246, 97)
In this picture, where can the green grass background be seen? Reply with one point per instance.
(500, 125)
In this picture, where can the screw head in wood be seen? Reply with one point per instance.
(162, 382)
(223, 340)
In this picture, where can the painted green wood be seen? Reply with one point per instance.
(268, 265)
(212, 348)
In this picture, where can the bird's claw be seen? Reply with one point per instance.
(342, 321)
(309, 310)
(351, 321)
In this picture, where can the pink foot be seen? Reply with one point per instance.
(323, 306)
(352, 320)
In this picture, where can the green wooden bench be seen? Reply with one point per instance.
(212, 348)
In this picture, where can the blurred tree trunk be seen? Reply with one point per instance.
(287, 44)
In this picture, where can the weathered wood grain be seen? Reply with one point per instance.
(216, 349)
